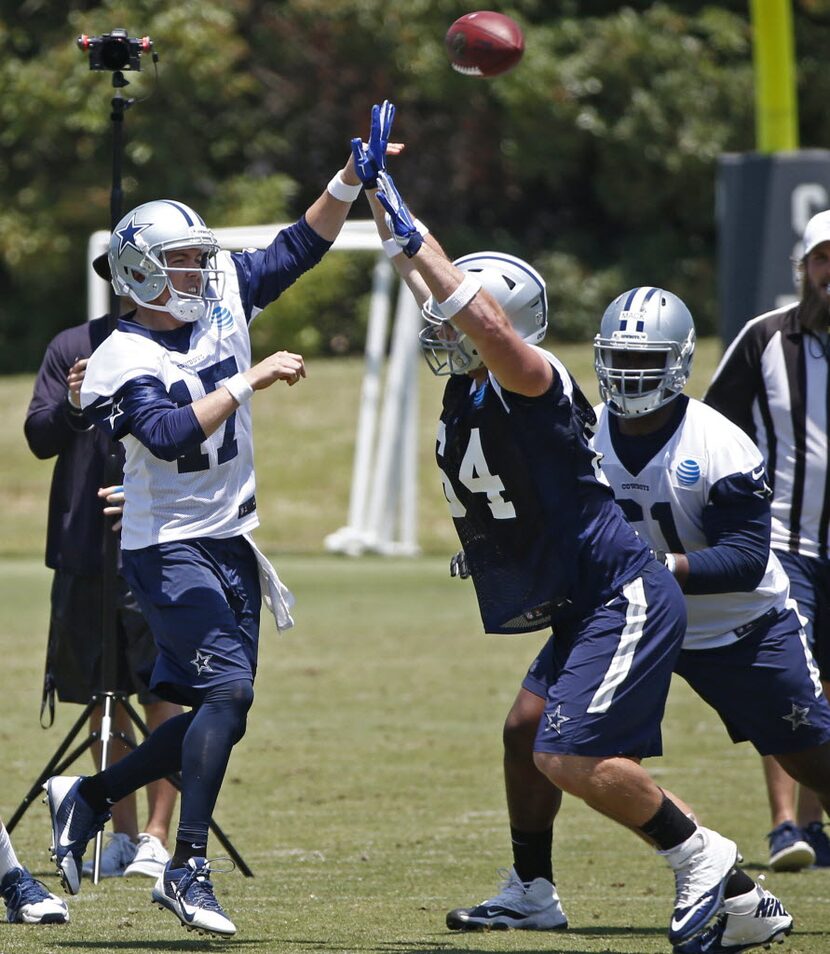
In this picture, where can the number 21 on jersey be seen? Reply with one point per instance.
(476, 477)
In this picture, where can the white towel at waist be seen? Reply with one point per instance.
(278, 598)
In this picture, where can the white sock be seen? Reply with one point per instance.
(680, 854)
(8, 859)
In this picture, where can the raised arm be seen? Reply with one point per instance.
(465, 305)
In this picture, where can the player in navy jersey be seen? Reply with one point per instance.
(694, 487)
(173, 383)
(547, 545)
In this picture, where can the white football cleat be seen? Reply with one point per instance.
(534, 906)
(754, 919)
(702, 865)
(74, 823)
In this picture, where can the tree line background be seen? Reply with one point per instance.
(594, 159)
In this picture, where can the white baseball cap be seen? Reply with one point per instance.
(817, 231)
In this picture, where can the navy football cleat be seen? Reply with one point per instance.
(74, 824)
(28, 901)
(789, 848)
(188, 893)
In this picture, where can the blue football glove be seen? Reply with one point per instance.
(398, 217)
(370, 158)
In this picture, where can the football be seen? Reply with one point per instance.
(484, 44)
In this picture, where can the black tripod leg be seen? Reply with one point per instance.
(55, 766)
(226, 843)
(75, 753)
(135, 718)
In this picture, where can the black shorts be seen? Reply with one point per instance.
(74, 653)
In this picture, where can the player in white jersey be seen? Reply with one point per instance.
(696, 497)
(173, 383)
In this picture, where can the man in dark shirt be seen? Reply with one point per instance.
(56, 427)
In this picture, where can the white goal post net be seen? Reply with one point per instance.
(383, 499)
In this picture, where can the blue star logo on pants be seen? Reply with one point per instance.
(556, 720)
(202, 662)
(798, 716)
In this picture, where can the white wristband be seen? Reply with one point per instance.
(419, 225)
(450, 307)
(391, 247)
(239, 388)
(671, 563)
(342, 190)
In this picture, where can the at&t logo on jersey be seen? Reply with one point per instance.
(688, 472)
(222, 317)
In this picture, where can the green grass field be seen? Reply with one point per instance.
(367, 794)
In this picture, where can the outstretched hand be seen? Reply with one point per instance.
(370, 157)
(399, 219)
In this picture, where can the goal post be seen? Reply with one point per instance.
(382, 516)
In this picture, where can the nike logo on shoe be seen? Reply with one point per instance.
(64, 841)
(679, 923)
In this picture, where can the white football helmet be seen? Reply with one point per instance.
(138, 258)
(518, 288)
(643, 321)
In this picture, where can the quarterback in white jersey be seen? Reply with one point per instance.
(173, 382)
(174, 493)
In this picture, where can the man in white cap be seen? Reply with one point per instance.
(773, 382)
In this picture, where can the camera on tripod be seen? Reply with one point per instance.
(115, 50)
